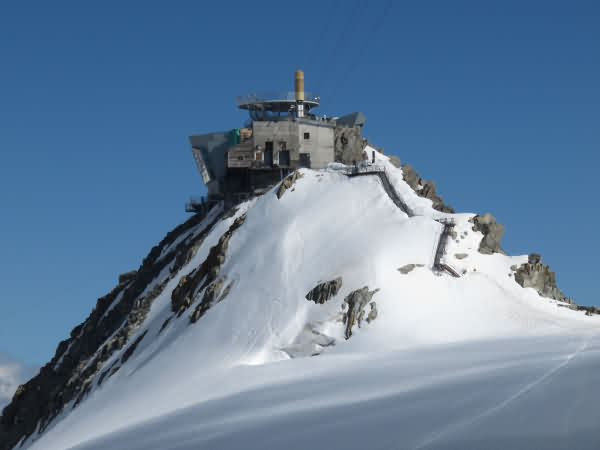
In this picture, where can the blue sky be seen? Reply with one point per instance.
(498, 102)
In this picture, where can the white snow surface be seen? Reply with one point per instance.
(470, 362)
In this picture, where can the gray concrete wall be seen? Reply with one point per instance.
(276, 132)
(319, 144)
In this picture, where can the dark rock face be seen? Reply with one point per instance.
(424, 188)
(288, 182)
(78, 359)
(536, 275)
(349, 145)
(127, 276)
(191, 284)
(356, 301)
(210, 298)
(127, 353)
(492, 233)
(324, 291)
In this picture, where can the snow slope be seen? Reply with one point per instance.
(448, 362)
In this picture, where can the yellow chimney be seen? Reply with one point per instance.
(299, 85)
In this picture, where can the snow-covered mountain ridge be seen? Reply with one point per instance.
(218, 309)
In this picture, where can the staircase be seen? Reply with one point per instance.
(448, 224)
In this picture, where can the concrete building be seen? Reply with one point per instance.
(281, 136)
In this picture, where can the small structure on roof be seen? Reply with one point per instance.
(281, 135)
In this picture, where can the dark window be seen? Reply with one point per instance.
(282, 145)
(284, 158)
(306, 135)
(269, 146)
(305, 160)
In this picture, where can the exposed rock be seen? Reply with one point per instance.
(356, 300)
(514, 267)
(288, 182)
(373, 313)
(127, 276)
(349, 145)
(534, 258)
(189, 285)
(395, 161)
(102, 375)
(409, 268)
(536, 275)
(424, 189)
(211, 294)
(492, 233)
(165, 323)
(589, 310)
(461, 255)
(78, 359)
(127, 353)
(324, 291)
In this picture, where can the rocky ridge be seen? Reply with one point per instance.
(423, 188)
(80, 358)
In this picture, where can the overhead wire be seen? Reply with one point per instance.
(340, 42)
(376, 28)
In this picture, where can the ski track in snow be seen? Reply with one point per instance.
(454, 428)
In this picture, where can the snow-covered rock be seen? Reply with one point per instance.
(210, 344)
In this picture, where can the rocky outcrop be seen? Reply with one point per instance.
(409, 268)
(191, 284)
(536, 275)
(288, 182)
(78, 359)
(460, 255)
(492, 233)
(373, 313)
(356, 302)
(349, 145)
(324, 291)
(129, 351)
(209, 299)
(425, 189)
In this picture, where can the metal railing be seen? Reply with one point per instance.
(265, 97)
(362, 169)
(441, 247)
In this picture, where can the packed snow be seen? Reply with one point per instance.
(469, 362)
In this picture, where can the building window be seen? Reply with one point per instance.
(306, 135)
(282, 146)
